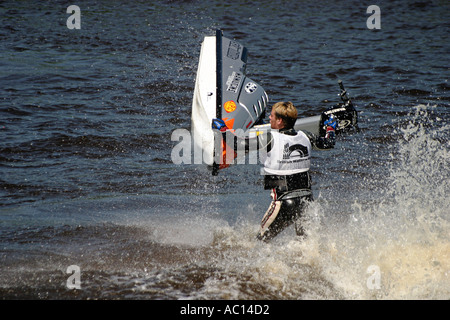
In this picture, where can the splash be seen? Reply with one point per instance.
(402, 232)
(393, 245)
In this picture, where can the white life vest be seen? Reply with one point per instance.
(290, 154)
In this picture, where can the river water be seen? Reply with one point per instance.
(87, 179)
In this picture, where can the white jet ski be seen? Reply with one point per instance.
(223, 91)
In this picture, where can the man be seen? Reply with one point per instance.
(286, 170)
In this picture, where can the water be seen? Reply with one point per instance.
(86, 177)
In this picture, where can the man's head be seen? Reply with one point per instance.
(283, 115)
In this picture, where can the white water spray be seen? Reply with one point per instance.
(405, 233)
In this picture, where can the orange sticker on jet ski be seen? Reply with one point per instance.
(229, 106)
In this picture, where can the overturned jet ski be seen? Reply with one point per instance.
(223, 91)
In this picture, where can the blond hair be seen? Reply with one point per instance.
(287, 112)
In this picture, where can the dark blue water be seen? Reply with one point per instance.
(86, 176)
